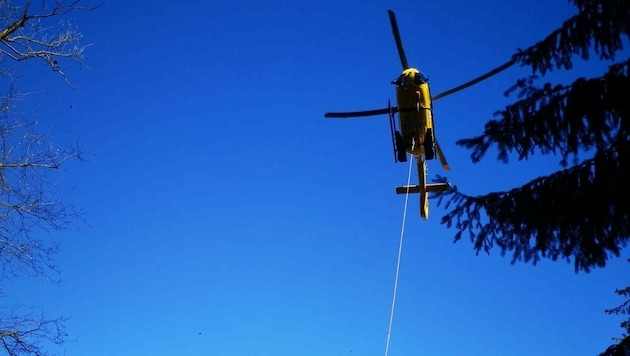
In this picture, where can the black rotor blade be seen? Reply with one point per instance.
(480, 78)
(441, 156)
(360, 113)
(401, 51)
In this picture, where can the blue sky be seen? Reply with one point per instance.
(228, 217)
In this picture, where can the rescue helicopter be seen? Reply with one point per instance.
(415, 119)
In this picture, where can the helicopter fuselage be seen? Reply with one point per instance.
(415, 114)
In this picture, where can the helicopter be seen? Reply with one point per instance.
(415, 118)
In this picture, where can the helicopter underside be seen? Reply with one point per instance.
(415, 119)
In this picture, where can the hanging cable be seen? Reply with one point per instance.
(402, 234)
(481, 78)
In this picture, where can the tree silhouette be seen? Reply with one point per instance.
(580, 212)
(622, 347)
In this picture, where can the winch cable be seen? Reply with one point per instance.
(479, 79)
(402, 234)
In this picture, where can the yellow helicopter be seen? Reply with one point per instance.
(415, 117)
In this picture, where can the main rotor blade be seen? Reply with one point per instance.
(360, 113)
(440, 155)
(401, 51)
(480, 78)
(384, 111)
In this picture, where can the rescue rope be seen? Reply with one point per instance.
(402, 234)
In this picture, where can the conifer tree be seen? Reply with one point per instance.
(622, 346)
(582, 211)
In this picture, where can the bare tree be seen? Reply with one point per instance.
(26, 333)
(43, 33)
(30, 166)
(27, 162)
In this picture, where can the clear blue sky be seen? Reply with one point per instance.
(221, 202)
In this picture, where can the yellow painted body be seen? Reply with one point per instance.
(415, 110)
(415, 117)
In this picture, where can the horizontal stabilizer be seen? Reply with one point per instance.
(413, 189)
(431, 188)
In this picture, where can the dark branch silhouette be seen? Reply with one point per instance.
(581, 212)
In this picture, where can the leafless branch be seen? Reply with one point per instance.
(30, 166)
(26, 333)
(27, 166)
(25, 33)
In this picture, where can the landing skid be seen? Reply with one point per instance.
(400, 153)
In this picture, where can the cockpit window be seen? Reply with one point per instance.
(420, 79)
(411, 78)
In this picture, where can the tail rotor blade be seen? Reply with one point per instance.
(440, 155)
(401, 51)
